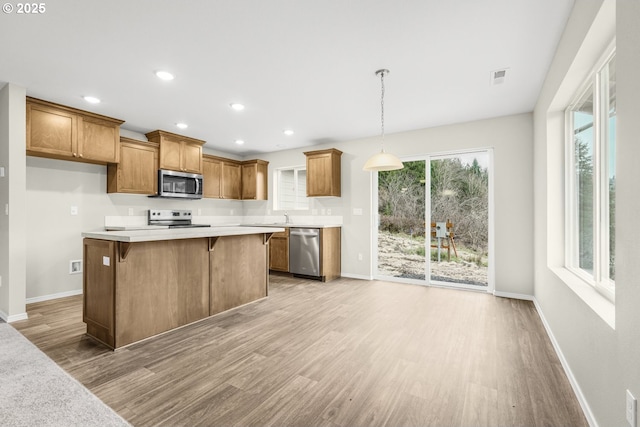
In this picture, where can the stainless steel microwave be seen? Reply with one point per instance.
(181, 185)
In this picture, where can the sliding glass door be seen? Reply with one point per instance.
(401, 231)
(448, 243)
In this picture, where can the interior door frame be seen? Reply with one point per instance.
(427, 220)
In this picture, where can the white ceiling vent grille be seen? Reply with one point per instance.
(498, 76)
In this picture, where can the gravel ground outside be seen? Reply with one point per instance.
(397, 257)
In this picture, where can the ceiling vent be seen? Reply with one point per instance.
(498, 76)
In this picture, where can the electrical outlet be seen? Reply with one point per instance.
(328, 211)
(359, 257)
(632, 411)
(232, 212)
(75, 266)
(130, 211)
(357, 211)
(1, 172)
(199, 212)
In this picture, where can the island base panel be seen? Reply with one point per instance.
(239, 271)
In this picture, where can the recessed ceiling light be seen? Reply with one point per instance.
(182, 125)
(236, 106)
(288, 132)
(239, 141)
(164, 75)
(91, 99)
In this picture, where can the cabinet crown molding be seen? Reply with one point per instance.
(158, 134)
(327, 151)
(85, 113)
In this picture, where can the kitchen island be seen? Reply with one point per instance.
(137, 284)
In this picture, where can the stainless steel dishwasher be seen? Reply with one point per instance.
(304, 251)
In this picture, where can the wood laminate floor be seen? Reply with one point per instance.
(343, 353)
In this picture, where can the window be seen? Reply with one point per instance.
(591, 180)
(291, 189)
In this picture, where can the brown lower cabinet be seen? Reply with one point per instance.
(279, 251)
(133, 291)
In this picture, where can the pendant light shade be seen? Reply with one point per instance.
(382, 161)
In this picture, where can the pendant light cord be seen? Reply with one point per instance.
(382, 73)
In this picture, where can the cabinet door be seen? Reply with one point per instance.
(279, 254)
(191, 158)
(170, 154)
(249, 181)
(51, 131)
(212, 177)
(231, 180)
(98, 140)
(137, 171)
(318, 175)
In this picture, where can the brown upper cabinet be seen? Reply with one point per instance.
(60, 132)
(254, 180)
(137, 171)
(323, 173)
(222, 178)
(212, 176)
(177, 152)
(231, 180)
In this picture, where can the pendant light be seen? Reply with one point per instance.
(382, 161)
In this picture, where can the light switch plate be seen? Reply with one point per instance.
(1, 171)
(106, 261)
(74, 210)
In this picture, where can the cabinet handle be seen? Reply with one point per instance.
(75, 155)
(80, 155)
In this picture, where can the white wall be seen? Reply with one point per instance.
(603, 360)
(12, 202)
(511, 138)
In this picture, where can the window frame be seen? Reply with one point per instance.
(276, 195)
(598, 83)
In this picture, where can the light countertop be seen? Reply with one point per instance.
(178, 233)
(291, 225)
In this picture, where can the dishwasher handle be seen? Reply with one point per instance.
(304, 232)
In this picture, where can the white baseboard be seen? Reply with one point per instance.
(13, 318)
(567, 370)
(513, 296)
(54, 296)
(356, 276)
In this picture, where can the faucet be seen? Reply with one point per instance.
(286, 218)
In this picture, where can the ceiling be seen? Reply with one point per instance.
(302, 65)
